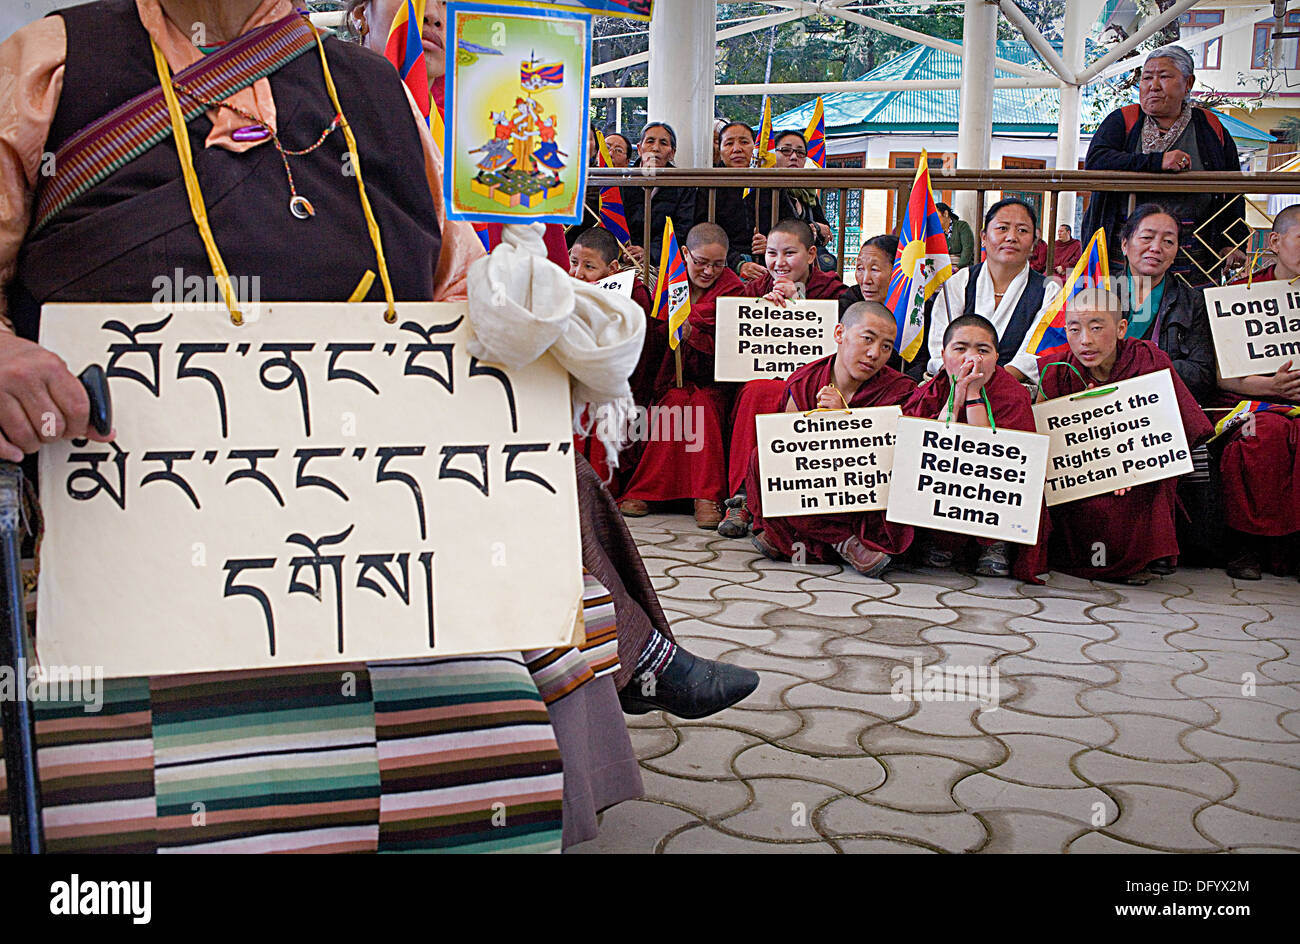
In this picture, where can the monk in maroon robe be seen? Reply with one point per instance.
(970, 357)
(1260, 464)
(1126, 535)
(857, 375)
(792, 273)
(674, 465)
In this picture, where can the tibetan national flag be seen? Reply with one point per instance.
(673, 290)
(484, 235)
(537, 75)
(612, 216)
(1244, 410)
(921, 265)
(405, 50)
(1091, 272)
(766, 141)
(816, 135)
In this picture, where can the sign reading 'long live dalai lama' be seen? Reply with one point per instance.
(826, 462)
(1129, 435)
(756, 339)
(968, 479)
(315, 486)
(1256, 327)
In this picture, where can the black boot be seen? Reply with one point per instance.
(689, 687)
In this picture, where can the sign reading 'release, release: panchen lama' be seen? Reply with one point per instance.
(757, 340)
(968, 479)
(826, 463)
(1256, 327)
(314, 486)
(1130, 435)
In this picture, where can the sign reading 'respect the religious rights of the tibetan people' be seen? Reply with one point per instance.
(826, 462)
(314, 486)
(968, 479)
(1120, 435)
(756, 339)
(516, 124)
(1256, 327)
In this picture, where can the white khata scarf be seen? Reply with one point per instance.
(522, 305)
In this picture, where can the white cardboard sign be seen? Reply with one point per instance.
(1130, 435)
(826, 463)
(620, 282)
(1256, 327)
(968, 479)
(757, 340)
(315, 486)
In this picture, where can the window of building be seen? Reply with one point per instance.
(1206, 55)
(1289, 57)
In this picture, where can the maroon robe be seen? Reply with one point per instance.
(1011, 410)
(668, 469)
(652, 350)
(819, 533)
(1261, 473)
(765, 396)
(1137, 527)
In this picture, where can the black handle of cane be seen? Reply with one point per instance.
(23, 786)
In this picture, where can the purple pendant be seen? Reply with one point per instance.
(250, 133)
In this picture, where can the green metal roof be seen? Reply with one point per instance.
(1015, 111)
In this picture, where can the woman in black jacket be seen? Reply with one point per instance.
(1162, 307)
(657, 148)
(731, 210)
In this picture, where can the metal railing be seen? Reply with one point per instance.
(899, 180)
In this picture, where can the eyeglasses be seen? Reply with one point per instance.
(792, 152)
(708, 265)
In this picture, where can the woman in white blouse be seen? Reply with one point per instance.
(1002, 287)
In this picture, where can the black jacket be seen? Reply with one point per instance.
(677, 202)
(1181, 328)
(1115, 147)
(734, 214)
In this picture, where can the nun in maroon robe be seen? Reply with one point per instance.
(1011, 410)
(820, 533)
(1137, 527)
(766, 396)
(668, 470)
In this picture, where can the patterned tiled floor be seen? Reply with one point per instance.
(1163, 718)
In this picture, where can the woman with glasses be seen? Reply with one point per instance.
(800, 203)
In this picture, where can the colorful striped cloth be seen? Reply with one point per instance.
(454, 755)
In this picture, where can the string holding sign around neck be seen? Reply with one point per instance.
(1098, 392)
(828, 409)
(952, 399)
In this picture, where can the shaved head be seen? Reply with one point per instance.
(706, 234)
(858, 312)
(1286, 218)
(1097, 299)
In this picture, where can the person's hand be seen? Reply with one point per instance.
(40, 400)
(1285, 383)
(783, 292)
(758, 245)
(969, 377)
(824, 230)
(751, 270)
(637, 253)
(1232, 256)
(1122, 491)
(828, 398)
(686, 330)
(1176, 161)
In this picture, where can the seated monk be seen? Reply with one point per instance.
(1260, 464)
(1095, 537)
(856, 375)
(694, 464)
(970, 364)
(792, 273)
(595, 256)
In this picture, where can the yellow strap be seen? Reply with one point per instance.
(197, 208)
(363, 286)
(391, 314)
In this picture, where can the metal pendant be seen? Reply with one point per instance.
(301, 207)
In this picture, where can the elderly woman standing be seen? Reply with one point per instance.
(1165, 133)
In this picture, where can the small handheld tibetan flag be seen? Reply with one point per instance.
(612, 215)
(1091, 272)
(673, 290)
(1245, 409)
(920, 266)
(405, 50)
(816, 135)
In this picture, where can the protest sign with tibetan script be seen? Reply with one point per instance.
(757, 340)
(315, 486)
(826, 463)
(1256, 327)
(968, 479)
(1128, 435)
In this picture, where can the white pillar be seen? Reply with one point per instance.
(682, 70)
(975, 121)
(1067, 134)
